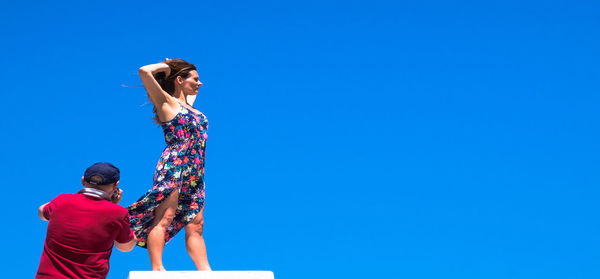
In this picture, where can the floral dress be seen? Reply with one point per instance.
(180, 167)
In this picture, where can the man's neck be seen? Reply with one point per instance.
(95, 193)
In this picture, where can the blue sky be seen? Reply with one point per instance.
(347, 139)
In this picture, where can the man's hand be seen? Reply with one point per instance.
(116, 196)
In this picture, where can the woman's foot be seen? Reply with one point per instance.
(159, 268)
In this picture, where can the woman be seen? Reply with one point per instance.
(176, 199)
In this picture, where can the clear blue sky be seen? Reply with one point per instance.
(348, 139)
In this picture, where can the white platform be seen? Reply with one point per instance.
(201, 275)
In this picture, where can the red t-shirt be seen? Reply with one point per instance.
(80, 237)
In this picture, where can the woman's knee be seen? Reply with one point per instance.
(196, 226)
(165, 212)
(194, 230)
(167, 218)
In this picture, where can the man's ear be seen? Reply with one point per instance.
(82, 181)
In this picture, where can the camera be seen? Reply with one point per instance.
(115, 194)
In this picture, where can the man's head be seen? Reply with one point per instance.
(103, 176)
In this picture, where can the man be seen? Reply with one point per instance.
(83, 227)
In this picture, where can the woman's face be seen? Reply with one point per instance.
(191, 84)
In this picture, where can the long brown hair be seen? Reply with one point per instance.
(179, 68)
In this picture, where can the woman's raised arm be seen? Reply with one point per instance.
(156, 94)
(166, 106)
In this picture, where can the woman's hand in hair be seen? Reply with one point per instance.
(150, 75)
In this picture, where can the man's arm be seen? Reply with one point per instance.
(125, 229)
(41, 212)
(126, 247)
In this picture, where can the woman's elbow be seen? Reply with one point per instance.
(143, 71)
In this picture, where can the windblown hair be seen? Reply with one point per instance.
(179, 68)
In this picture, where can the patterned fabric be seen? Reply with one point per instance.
(180, 167)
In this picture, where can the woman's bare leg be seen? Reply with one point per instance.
(194, 242)
(163, 216)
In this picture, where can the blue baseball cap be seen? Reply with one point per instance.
(107, 171)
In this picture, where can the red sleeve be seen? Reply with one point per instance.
(125, 235)
(52, 205)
